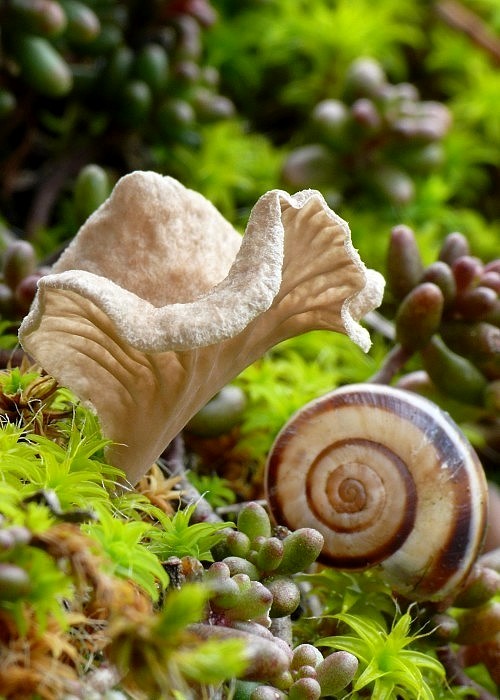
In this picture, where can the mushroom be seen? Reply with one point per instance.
(158, 303)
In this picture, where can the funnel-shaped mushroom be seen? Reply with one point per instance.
(158, 303)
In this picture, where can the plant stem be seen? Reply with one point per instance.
(172, 463)
(456, 675)
(393, 363)
(461, 18)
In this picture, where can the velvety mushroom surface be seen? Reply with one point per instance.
(158, 303)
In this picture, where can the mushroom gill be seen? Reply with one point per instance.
(158, 303)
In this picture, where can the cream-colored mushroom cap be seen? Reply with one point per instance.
(158, 303)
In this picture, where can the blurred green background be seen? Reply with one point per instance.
(392, 112)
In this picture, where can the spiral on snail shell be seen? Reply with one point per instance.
(388, 479)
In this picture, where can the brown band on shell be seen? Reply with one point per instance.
(339, 481)
(465, 529)
(466, 533)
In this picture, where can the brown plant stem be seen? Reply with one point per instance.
(380, 324)
(456, 675)
(56, 176)
(13, 163)
(455, 15)
(12, 358)
(393, 363)
(173, 463)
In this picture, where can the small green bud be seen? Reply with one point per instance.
(283, 681)
(336, 671)
(405, 93)
(479, 624)
(217, 572)
(311, 165)
(329, 119)
(135, 103)
(269, 554)
(174, 114)
(454, 246)
(266, 659)
(92, 188)
(306, 672)
(467, 271)
(11, 537)
(440, 274)
(7, 103)
(42, 17)
(226, 594)
(42, 66)
(237, 543)
(267, 692)
(109, 38)
(445, 627)
(243, 690)
(364, 77)
(240, 597)
(453, 374)
(226, 590)
(238, 565)
(425, 121)
(494, 316)
(419, 316)
(209, 106)
(252, 602)
(222, 549)
(243, 582)
(481, 585)
(19, 261)
(305, 689)
(366, 115)
(428, 158)
(26, 290)
(152, 66)
(14, 582)
(253, 520)
(490, 278)
(404, 264)
(306, 655)
(395, 184)
(492, 396)
(115, 72)
(479, 342)
(220, 414)
(83, 24)
(300, 549)
(286, 595)
(476, 304)
(189, 45)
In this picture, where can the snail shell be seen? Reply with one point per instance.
(389, 480)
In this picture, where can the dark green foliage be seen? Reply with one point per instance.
(81, 79)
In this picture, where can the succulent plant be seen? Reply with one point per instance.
(447, 314)
(375, 136)
(106, 77)
(20, 272)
